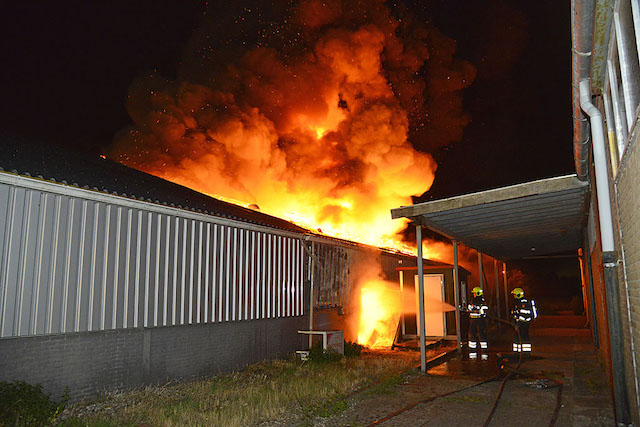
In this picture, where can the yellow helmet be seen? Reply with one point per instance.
(517, 292)
(477, 291)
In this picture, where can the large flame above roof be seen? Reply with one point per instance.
(314, 128)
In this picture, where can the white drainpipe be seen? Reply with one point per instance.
(600, 159)
(609, 258)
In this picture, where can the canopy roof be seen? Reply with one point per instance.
(542, 217)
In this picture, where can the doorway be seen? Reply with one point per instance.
(433, 305)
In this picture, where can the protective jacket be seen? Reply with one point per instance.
(478, 308)
(524, 310)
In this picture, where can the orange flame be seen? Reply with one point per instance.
(380, 310)
(316, 132)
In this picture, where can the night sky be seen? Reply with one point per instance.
(66, 71)
(520, 103)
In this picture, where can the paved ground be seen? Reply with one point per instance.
(454, 393)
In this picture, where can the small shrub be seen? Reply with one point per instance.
(318, 355)
(23, 404)
(352, 349)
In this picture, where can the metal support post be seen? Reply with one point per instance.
(402, 321)
(423, 351)
(312, 300)
(480, 271)
(497, 274)
(506, 291)
(456, 287)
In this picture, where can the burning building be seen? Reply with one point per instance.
(313, 133)
(120, 271)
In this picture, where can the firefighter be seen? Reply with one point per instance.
(524, 311)
(477, 323)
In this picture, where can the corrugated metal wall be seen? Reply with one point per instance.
(76, 260)
(334, 264)
(331, 269)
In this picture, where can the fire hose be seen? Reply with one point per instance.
(525, 374)
(503, 366)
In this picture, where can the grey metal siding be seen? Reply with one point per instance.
(74, 260)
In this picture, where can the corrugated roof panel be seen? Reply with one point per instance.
(547, 215)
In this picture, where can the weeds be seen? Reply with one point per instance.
(352, 349)
(336, 407)
(474, 399)
(287, 391)
(387, 384)
(320, 356)
(23, 404)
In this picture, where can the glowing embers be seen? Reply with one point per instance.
(380, 309)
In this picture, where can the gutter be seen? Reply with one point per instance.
(582, 29)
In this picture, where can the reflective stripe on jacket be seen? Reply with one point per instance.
(478, 308)
(524, 310)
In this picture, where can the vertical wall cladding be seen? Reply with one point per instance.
(628, 198)
(336, 269)
(332, 282)
(81, 261)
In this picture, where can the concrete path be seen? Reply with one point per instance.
(457, 392)
(562, 350)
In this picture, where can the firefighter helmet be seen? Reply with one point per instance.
(477, 291)
(517, 292)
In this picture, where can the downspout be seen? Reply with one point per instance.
(600, 160)
(609, 256)
(582, 29)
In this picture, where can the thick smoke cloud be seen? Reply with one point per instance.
(313, 123)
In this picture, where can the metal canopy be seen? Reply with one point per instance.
(536, 218)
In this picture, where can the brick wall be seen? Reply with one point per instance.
(91, 362)
(628, 207)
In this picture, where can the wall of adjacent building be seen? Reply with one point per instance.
(627, 186)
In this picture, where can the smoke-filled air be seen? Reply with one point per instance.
(325, 121)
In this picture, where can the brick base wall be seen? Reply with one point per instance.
(92, 362)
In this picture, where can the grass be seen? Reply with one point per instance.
(277, 390)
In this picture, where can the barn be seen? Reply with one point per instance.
(111, 278)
